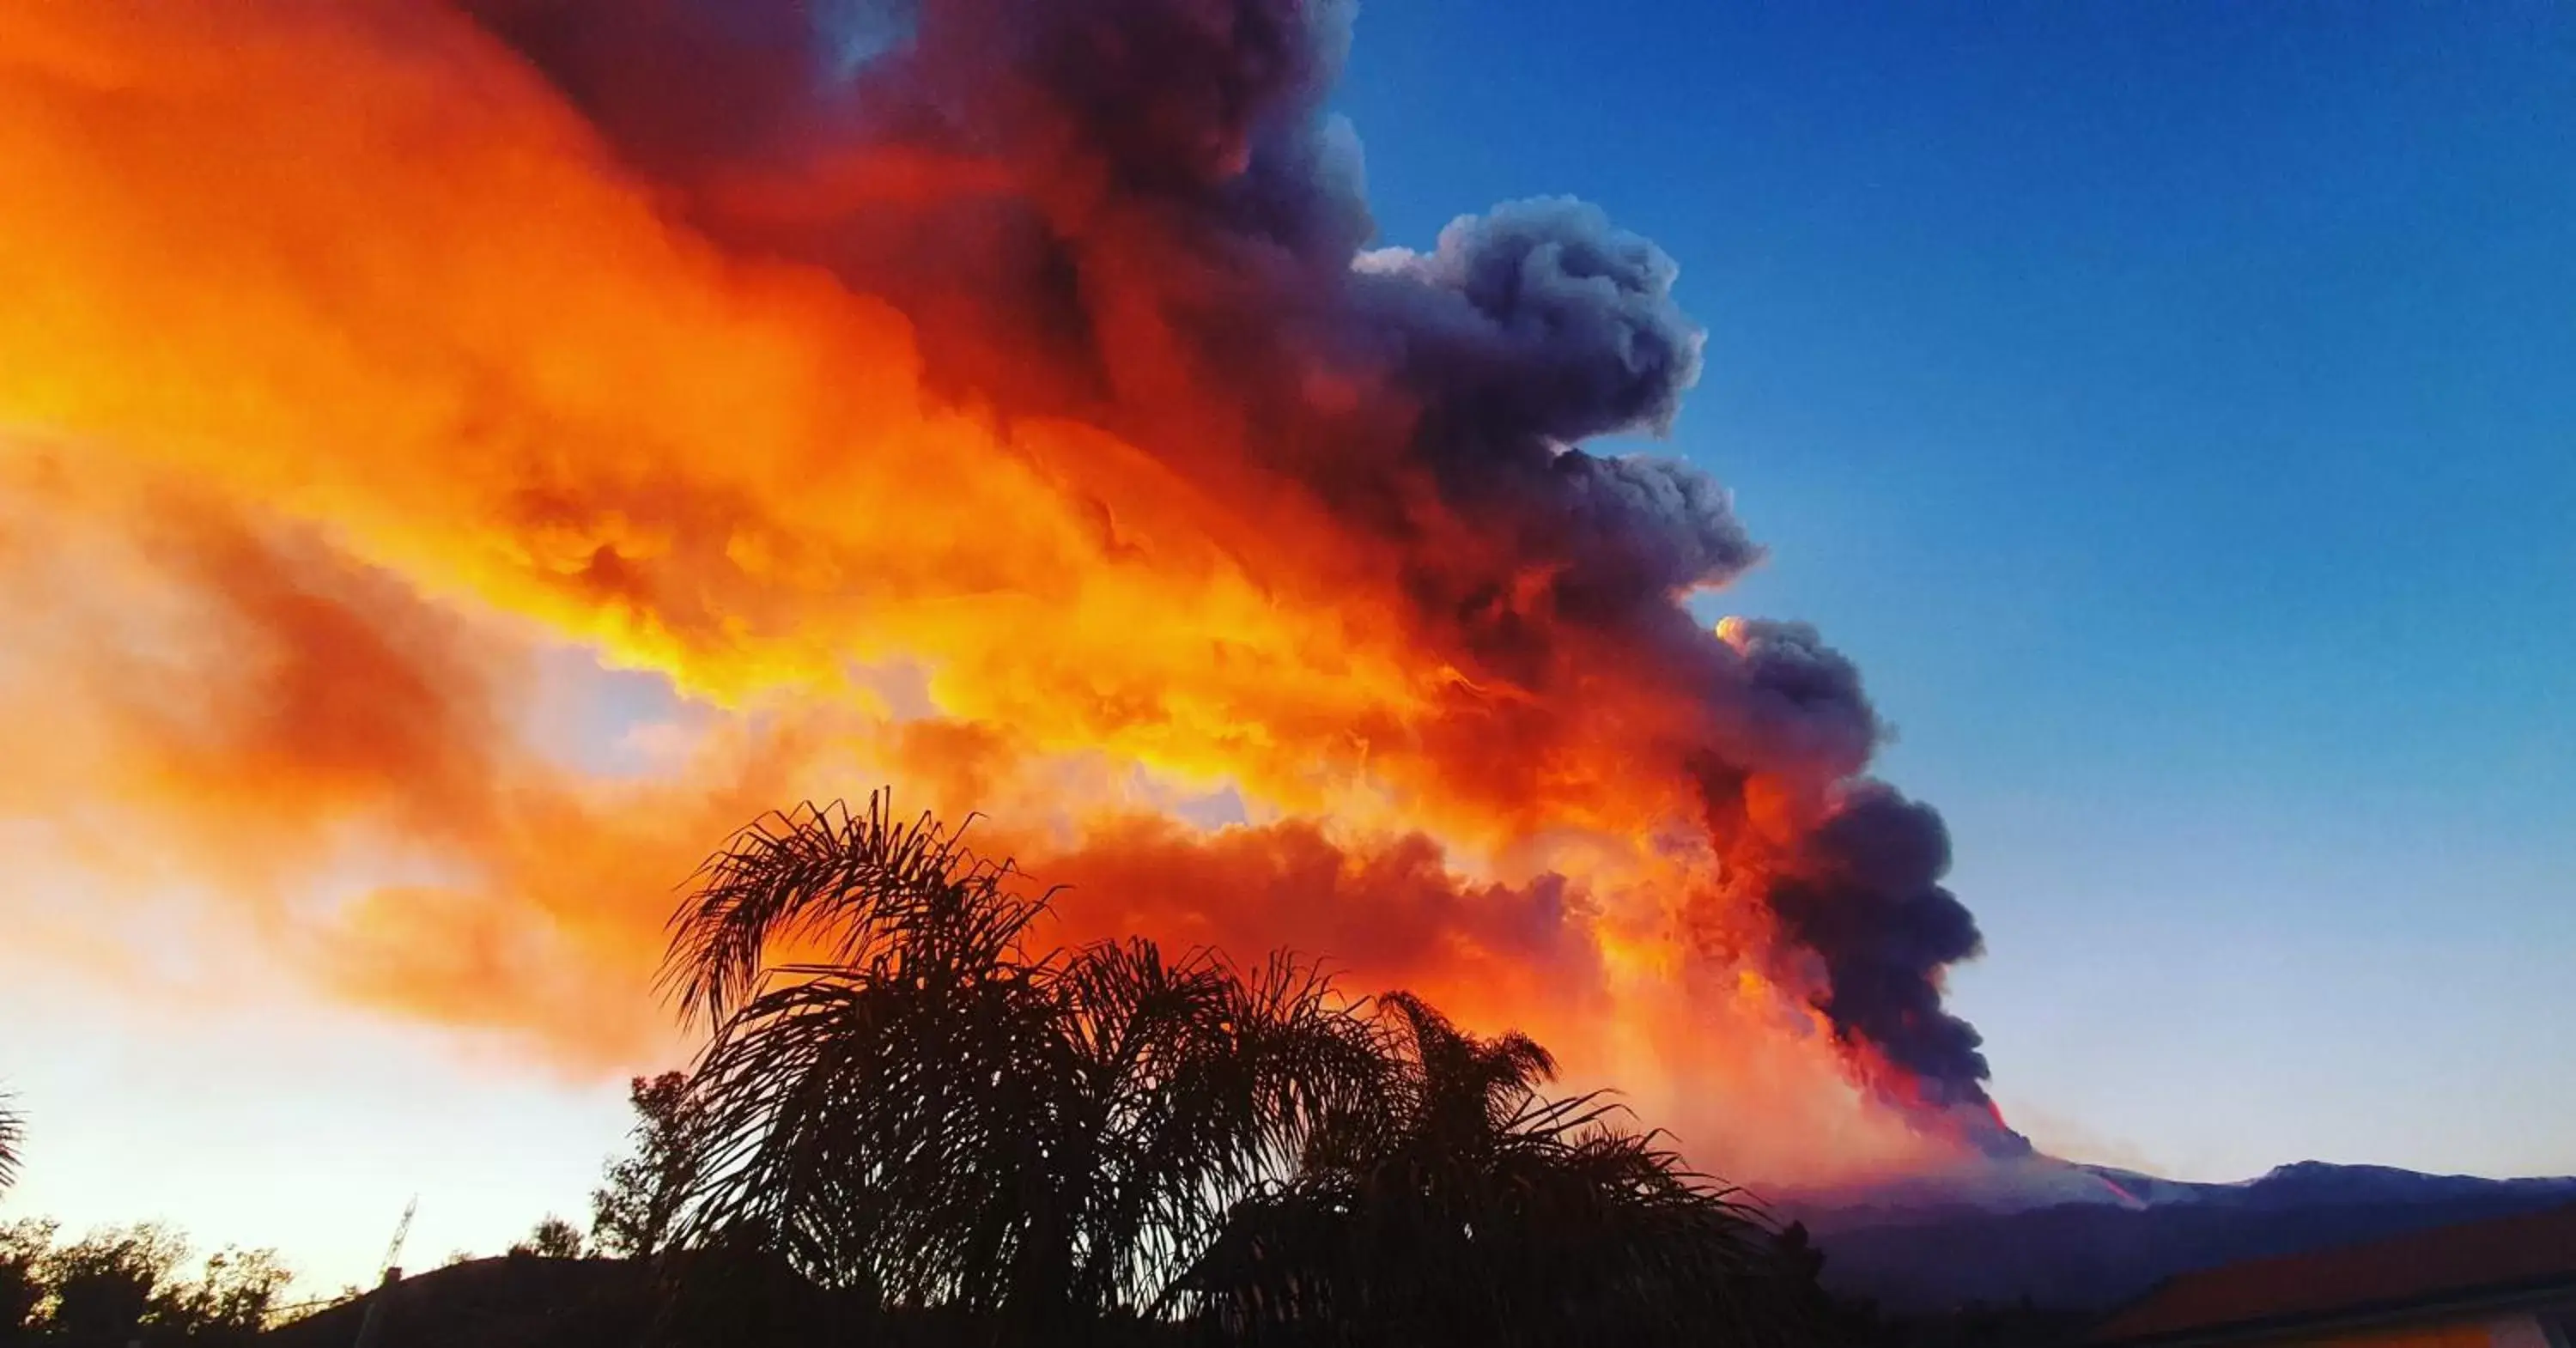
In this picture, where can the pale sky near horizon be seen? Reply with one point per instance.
(2171, 406)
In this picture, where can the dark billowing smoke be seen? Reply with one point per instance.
(1871, 906)
(1149, 195)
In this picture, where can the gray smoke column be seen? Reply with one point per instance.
(1138, 212)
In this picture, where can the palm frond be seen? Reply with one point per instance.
(871, 1131)
(13, 1134)
(845, 880)
(1465, 1205)
(941, 1114)
(906, 1100)
(1196, 1085)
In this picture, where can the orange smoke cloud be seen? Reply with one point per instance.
(352, 367)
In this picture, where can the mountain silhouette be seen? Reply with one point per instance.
(1963, 1240)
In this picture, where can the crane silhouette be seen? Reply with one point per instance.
(371, 1328)
(392, 1268)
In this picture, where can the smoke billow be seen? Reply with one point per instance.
(1042, 342)
(1156, 180)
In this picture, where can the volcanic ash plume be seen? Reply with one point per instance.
(1000, 397)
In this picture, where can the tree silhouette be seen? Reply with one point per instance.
(909, 1100)
(1460, 1204)
(941, 1113)
(231, 1302)
(121, 1285)
(632, 1214)
(553, 1238)
(24, 1284)
(108, 1283)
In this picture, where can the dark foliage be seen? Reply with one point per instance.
(927, 1112)
(123, 1285)
(1460, 1204)
(947, 1115)
(23, 1288)
(632, 1214)
(551, 1238)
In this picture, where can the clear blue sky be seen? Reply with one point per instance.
(2172, 405)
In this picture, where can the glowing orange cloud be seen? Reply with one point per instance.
(350, 366)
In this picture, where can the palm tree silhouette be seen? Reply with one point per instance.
(1460, 1204)
(932, 1109)
(910, 1099)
